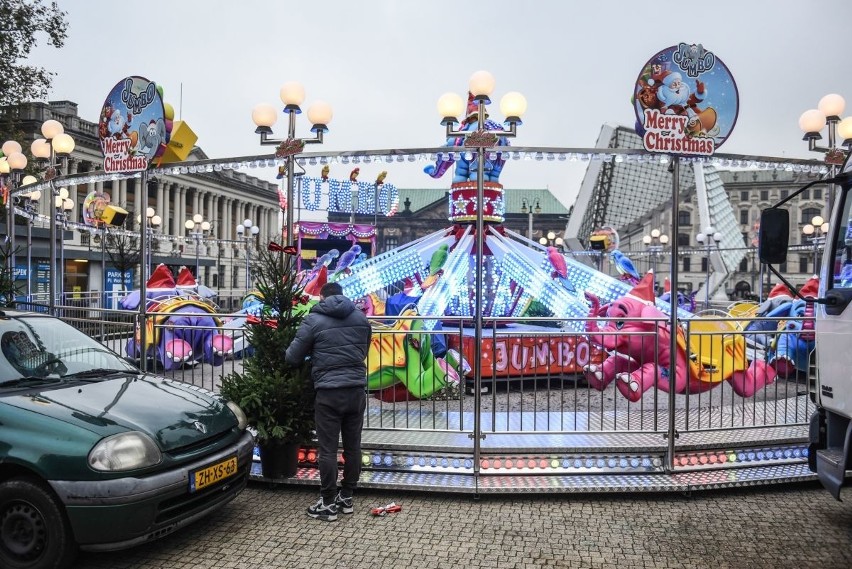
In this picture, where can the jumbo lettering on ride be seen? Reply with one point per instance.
(528, 356)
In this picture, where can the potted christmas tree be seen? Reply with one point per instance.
(277, 399)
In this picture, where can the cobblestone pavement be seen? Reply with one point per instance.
(791, 526)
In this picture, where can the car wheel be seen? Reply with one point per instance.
(33, 530)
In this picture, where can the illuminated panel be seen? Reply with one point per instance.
(437, 298)
(727, 458)
(392, 266)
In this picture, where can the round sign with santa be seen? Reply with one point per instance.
(132, 127)
(686, 101)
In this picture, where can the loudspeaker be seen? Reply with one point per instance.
(773, 236)
(598, 242)
(113, 215)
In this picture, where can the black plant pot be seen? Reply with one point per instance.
(279, 459)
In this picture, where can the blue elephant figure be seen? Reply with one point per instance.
(790, 342)
(791, 350)
(466, 170)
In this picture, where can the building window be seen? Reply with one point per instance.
(744, 265)
(743, 195)
(782, 268)
(784, 194)
(703, 264)
(682, 240)
(686, 264)
(806, 195)
(803, 264)
(764, 195)
(744, 217)
(817, 193)
(809, 213)
(684, 218)
(391, 243)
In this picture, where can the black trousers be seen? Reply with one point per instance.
(339, 413)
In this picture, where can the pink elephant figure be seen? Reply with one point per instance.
(637, 335)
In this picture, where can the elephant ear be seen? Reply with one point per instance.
(651, 312)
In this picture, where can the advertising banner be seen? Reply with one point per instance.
(132, 127)
(686, 102)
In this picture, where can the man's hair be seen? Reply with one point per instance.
(330, 289)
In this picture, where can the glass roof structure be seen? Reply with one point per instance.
(625, 192)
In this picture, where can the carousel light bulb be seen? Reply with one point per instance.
(17, 161)
(450, 106)
(10, 147)
(481, 84)
(832, 105)
(40, 148)
(320, 113)
(292, 93)
(812, 121)
(264, 115)
(51, 128)
(63, 144)
(513, 105)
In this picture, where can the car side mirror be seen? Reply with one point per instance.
(773, 236)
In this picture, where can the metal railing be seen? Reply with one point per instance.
(537, 377)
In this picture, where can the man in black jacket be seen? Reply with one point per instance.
(336, 336)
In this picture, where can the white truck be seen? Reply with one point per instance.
(830, 436)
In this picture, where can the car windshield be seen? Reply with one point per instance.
(43, 348)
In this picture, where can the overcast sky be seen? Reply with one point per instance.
(383, 64)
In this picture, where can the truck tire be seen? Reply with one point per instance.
(34, 532)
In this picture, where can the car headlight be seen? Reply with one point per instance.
(242, 420)
(124, 451)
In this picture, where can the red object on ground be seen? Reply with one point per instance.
(391, 508)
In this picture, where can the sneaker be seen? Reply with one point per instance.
(344, 505)
(323, 511)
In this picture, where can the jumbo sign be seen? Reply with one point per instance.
(529, 356)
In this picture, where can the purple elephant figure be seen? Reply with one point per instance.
(185, 328)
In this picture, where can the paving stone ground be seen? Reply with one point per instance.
(783, 526)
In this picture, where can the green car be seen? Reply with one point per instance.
(95, 454)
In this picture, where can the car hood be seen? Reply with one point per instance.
(174, 414)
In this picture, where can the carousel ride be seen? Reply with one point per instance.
(437, 276)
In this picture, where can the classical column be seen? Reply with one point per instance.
(159, 206)
(73, 166)
(122, 193)
(227, 220)
(180, 211)
(137, 199)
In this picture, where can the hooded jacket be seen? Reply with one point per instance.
(337, 336)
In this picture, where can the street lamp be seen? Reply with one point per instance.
(827, 114)
(527, 208)
(655, 242)
(708, 238)
(152, 221)
(264, 116)
(63, 205)
(552, 240)
(248, 230)
(12, 167)
(53, 150)
(450, 106)
(31, 200)
(816, 231)
(197, 227)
